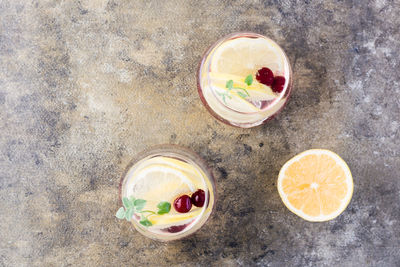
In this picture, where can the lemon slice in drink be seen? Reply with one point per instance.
(194, 175)
(316, 185)
(234, 101)
(239, 103)
(243, 56)
(180, 164)
(173, 218)
(257, 91)
(156, 183)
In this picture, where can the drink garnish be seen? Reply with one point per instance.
(243, 93)
(278, 84)
(198, 198)
(132, 205)
(265, 76)
(183, 204)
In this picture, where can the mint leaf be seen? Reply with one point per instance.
(145, 222)
(120, 213)
(132, 206)
(249, 79)
(229, 84)
(242, 95)
(126, 202)
(139, 204)
(223, 96)
(163, 207)
(129, 214)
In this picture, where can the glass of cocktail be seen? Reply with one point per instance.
(167, 193)
(244, 79)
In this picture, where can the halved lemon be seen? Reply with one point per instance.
(243, 56)
(316, 185)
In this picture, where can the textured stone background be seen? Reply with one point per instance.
(85, 85)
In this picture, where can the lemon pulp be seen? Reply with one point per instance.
(316, 185)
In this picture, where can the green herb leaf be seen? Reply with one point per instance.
(139, 204)
(229, 84)
(249, 79)
(129, 214)
(126, 202)
(163, 207)
(242, 95)
(223, 98)
(145, 222)
(132, 205)
(120, 213)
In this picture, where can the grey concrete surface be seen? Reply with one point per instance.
(85, 85)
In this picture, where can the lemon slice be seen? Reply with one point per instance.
(176, 164)
(184, 166)
(195, 175)
(242, 56)
(173, 218)
(257, 91)
(156, 183)
(316, 185)
(238, 103)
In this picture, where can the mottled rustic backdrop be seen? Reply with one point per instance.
(85, 85)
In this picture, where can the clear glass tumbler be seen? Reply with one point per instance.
(244, 79)
(170, 191)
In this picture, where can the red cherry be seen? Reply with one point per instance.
(265, 76)
(198, 198)
(278, 84)
(183, 204)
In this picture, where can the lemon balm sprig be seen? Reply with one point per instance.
(243, 93)
(132, 205)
